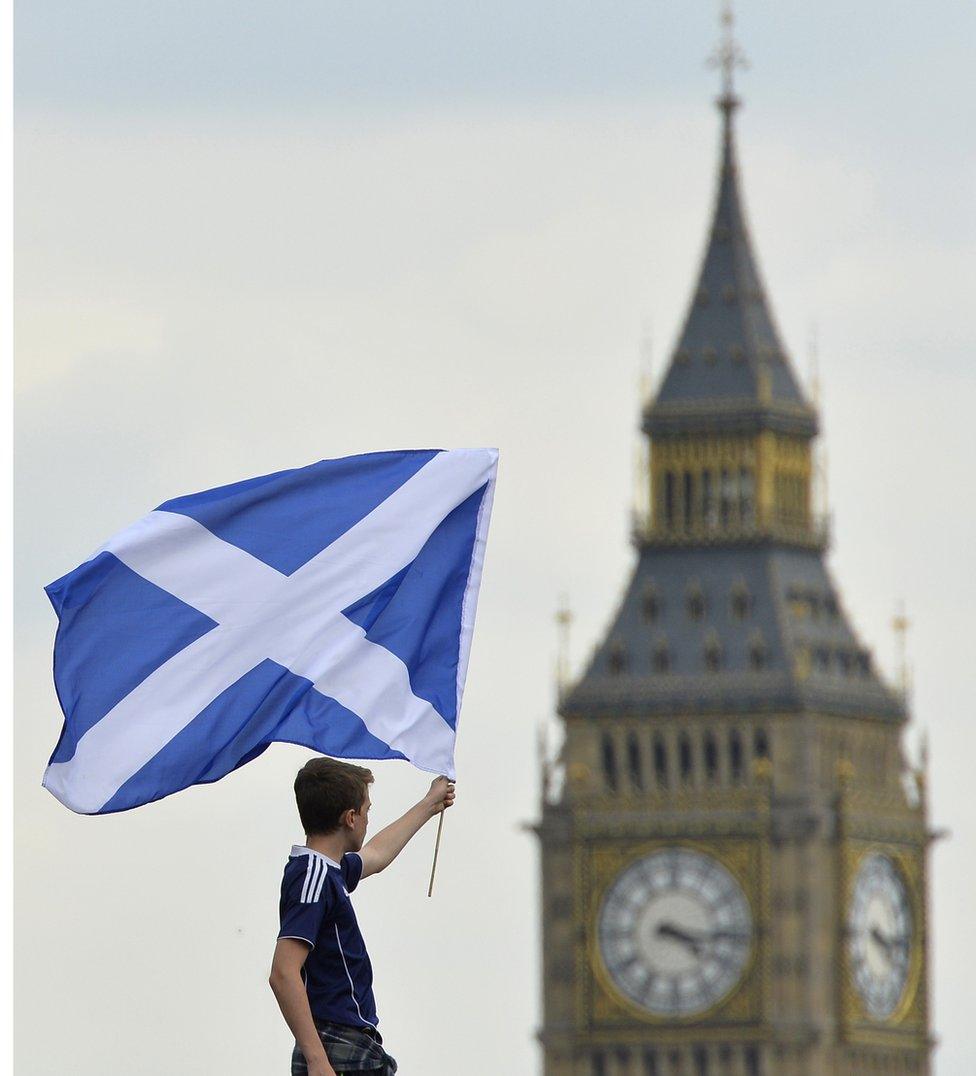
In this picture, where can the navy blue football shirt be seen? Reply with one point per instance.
(315, 908)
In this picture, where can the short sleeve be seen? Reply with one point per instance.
(352, 870)
(305, 902)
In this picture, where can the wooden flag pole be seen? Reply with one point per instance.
(437, 847)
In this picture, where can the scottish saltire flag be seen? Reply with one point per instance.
(330, 606)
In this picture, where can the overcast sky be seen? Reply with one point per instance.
(253, 235)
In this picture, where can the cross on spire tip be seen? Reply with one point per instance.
(727, 56)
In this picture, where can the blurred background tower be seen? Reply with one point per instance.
(734, 850)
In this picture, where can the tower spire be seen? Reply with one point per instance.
(730, 367)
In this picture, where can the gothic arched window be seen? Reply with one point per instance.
(760, 744)
(609, 762)
(779, 485)
(688, 501)
(684, 756)
(709, 514)
(669, 500)
(735, 755)
(660, 762)
(713, 654)
(740, 601)
(727, 496)
(696, 602)
(746, 497)
(618, 657)
(634, 762)
(650, 603)
(662, 657)
(711, 757)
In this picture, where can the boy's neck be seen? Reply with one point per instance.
(332, 845)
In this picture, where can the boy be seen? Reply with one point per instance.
(321, 974)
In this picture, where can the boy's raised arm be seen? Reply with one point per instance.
(381, 850)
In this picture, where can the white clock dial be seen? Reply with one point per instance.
(675, 932)
(879, 926)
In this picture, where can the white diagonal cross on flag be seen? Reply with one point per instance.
(263, 614)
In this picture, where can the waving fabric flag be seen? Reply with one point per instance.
(330, 606)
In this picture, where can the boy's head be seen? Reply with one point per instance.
(334, 795)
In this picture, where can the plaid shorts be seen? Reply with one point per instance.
(349, 1049)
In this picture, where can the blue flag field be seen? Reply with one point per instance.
(330, 606)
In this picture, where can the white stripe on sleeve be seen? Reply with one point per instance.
(310, 876)
(320, 883)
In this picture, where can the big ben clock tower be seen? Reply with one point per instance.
(734, 865)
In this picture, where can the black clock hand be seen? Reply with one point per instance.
(728, 935)
(887, 943)
(881, 940)
(697, 941)
(668, 930)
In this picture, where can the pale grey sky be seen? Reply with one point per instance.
(251, 236)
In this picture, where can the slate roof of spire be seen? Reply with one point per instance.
(768, 617)
(729, 359)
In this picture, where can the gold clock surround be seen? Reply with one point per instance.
(742, 1002)
(909, 1013)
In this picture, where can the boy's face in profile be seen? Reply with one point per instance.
(360, 822)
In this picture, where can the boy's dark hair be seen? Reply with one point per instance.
(325, 789)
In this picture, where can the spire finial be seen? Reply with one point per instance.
(564, 618)
(901, 624)
(728, 56)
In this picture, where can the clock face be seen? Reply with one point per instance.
(879, 927)
(675, 932)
